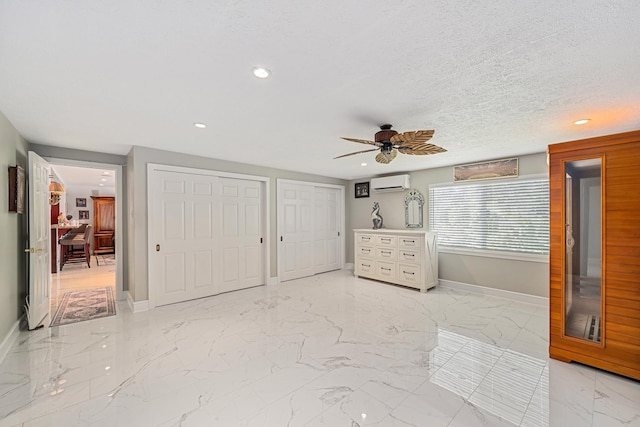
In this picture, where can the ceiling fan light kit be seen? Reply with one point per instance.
(389, 143)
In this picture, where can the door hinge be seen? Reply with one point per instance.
(261, 240)
(338, 234)
(281, 238)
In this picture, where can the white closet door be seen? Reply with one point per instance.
(295, 216)
(327, 229)
(184, 257)
(242, 255)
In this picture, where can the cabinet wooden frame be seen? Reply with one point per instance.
(619, 347)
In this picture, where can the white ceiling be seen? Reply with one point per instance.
(493, 78)
(77, 176)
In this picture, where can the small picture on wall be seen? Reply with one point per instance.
(83, 214)
(81, 203)
(362, 189)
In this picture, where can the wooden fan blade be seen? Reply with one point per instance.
(420, 149)
(386, 158)
(418, 136)
(357, 152)
(363, 141)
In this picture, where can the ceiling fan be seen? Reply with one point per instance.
(389, 142)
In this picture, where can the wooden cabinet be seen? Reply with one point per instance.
(595, 252)
(403, 257)
(104, 224)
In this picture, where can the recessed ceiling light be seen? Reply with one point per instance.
(582, 122)
(106, 173)
(103, 179)
(200, 125)
(101, 185)
(261, 73)
(363, 164)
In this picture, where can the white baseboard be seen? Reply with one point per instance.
(11, 337)
(136, 306)
(500, 293)
(348, 266)
(273, 281)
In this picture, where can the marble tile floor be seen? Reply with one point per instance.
(329, 350)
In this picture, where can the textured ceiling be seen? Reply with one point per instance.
(493, 79)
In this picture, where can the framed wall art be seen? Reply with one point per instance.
(16, 189)
(81, 202)
(362, 189)
(494, 169)
(83, 214)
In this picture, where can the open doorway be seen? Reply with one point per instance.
(84, 232)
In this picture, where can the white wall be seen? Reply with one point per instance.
(517, 276)
(13, 231)
(84, 192)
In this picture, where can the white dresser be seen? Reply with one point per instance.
(403, 257)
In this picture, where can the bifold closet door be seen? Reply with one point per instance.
(295, 216)
(184, 254)
(242, 245)
(327, 223)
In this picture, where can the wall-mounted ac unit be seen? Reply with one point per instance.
(390, 183)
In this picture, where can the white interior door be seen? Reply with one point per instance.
(327, 223)
(242, 253)
(184, 257)
(39, 244)
(295, 223)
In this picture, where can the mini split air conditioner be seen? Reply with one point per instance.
(390, 183)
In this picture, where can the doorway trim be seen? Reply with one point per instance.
(266, 221)
(279, 231)
(119, 211)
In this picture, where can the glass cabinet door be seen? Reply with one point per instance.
(583, 249)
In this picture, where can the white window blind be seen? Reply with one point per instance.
(510, 216)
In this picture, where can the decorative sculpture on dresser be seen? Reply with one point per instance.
(376, 217)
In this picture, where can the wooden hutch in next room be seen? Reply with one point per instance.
(104, 225)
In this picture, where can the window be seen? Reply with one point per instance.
(511, 216)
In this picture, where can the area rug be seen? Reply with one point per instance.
(78, 306)
(109, 259)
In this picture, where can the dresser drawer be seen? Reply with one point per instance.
(409, 275)
(386, 270)
(365, 266)
(386, 253)
(365, 239)
(390, 241)
(367, 251)
(409, 242)
(408, 255)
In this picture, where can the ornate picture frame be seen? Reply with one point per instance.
(16, 189)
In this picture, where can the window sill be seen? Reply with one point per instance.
(494, 254)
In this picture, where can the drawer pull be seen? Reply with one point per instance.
(408, 241)
(366, 250)
(366, 265)
(385, 252)
(385, 240)
(408, 272)
(411, 255)
(383, 268)
(366, 238)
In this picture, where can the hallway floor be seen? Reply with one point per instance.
(329, 350)
(78, 277)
